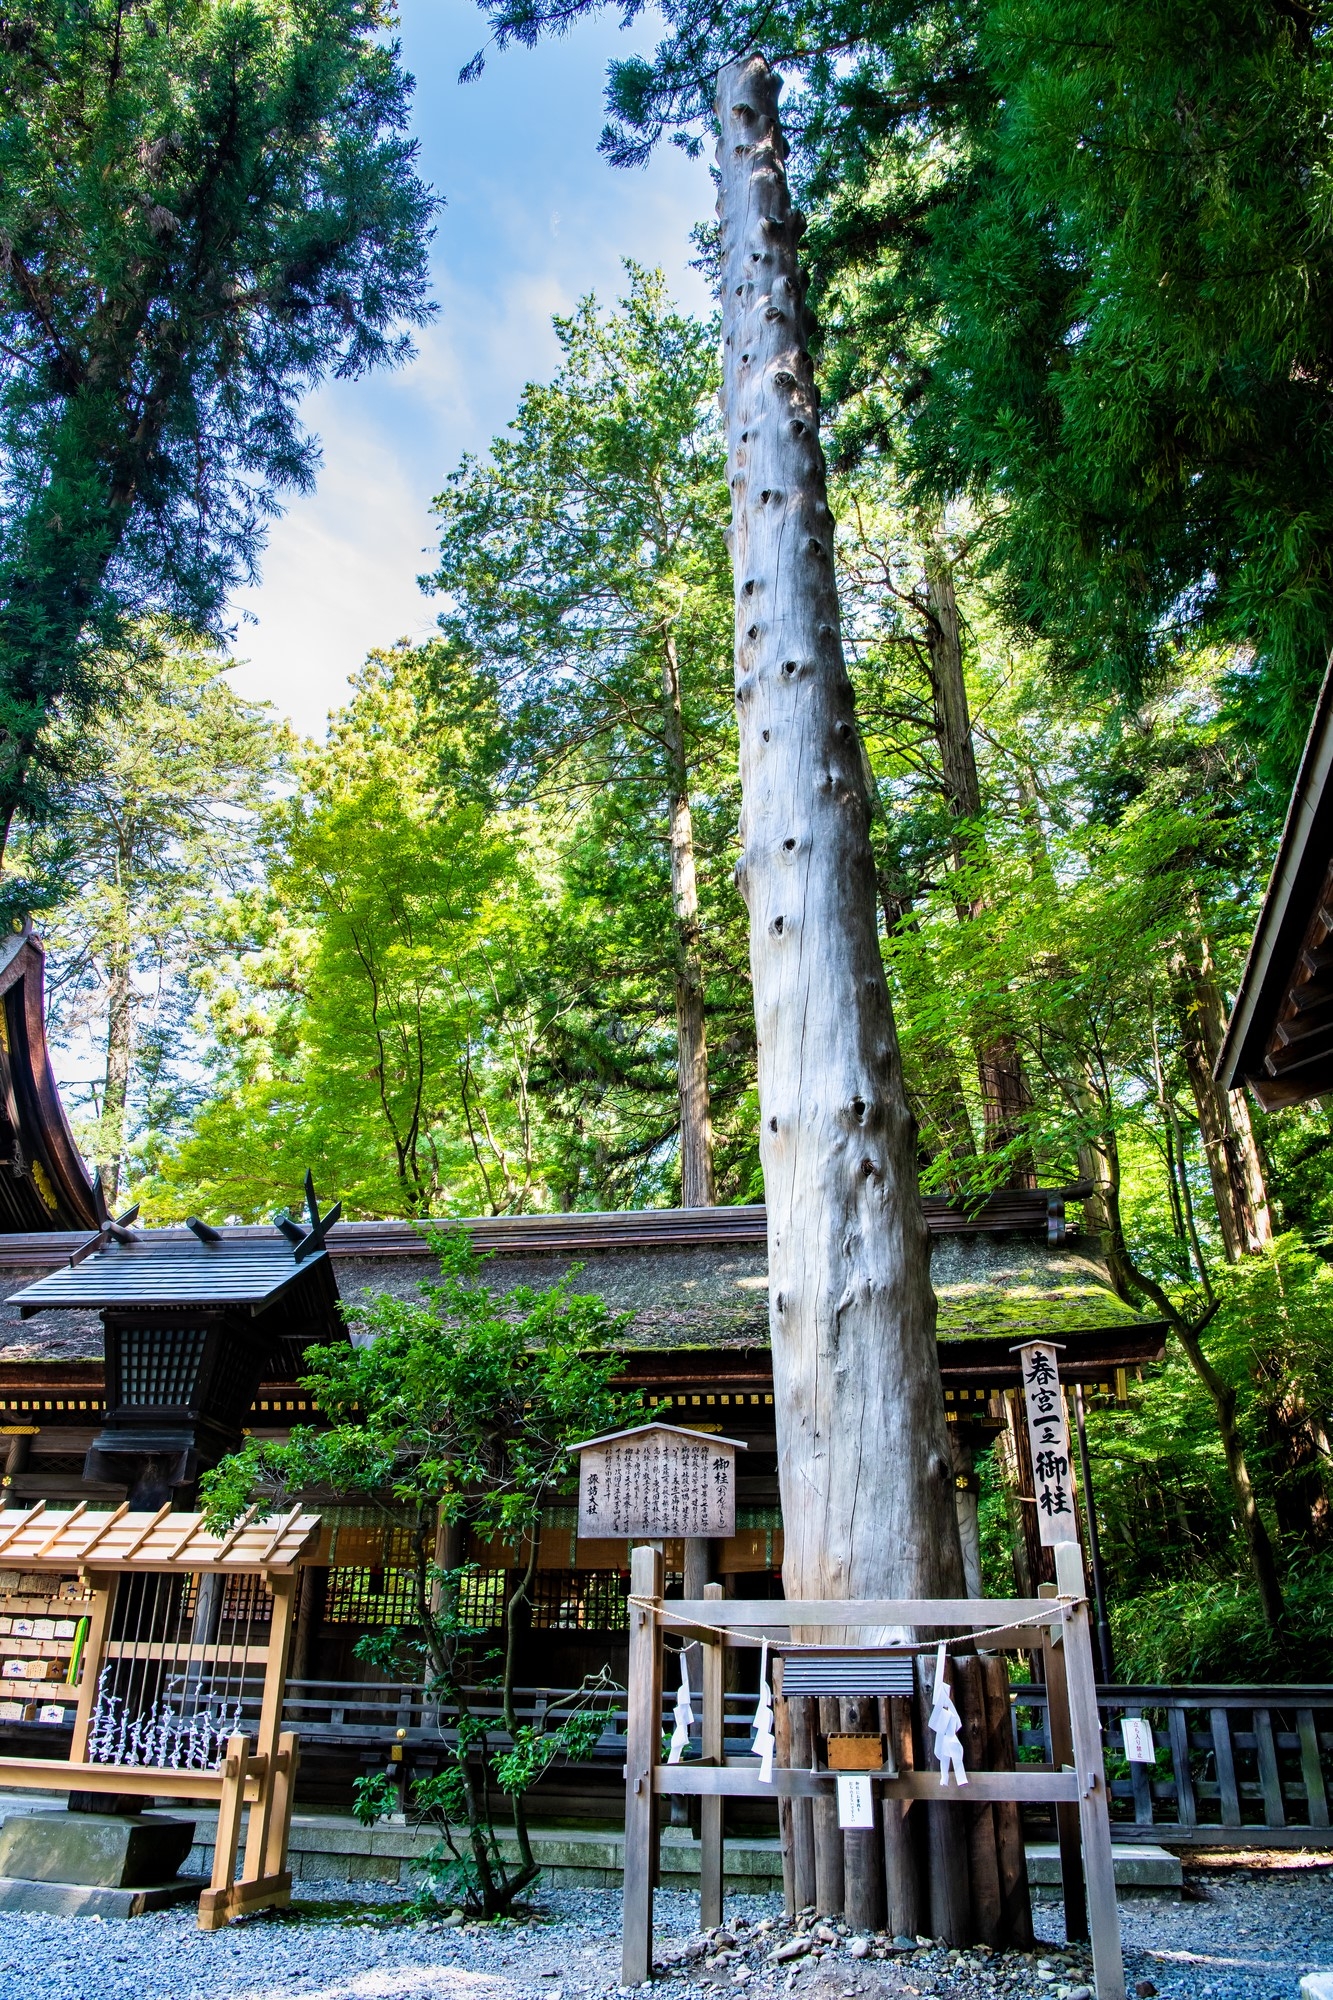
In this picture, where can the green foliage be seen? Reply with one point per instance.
(149, 849)
(584, 569)
(460, 1406)
(205, 210)
(1211, 1628)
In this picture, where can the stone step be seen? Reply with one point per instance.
(332, 1847)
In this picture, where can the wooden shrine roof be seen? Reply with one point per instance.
(172, 1267)
(44, 1183)
(1279, 1040)
(44, 1538)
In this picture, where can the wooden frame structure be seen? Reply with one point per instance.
(123, 1552)
(1057, 1626)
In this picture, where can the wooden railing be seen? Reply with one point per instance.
(1236, 1766)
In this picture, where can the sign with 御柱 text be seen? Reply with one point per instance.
(657, 1481)
(1048, 1434)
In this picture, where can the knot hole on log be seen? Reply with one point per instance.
(772, 1124)
(787, 844)
(858, 1107)
(776, 926)
(868, 1168)
(765, 734)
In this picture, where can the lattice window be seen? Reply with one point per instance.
(246, 1600)
(481, 1598)
(580, 1600)
(370, 1597)
(159, 1366)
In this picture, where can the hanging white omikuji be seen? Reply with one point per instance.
(684, 1716)
(945, 1723)
(762, 1726)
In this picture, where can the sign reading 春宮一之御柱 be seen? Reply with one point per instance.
(657, 1481)
(1048, 1434)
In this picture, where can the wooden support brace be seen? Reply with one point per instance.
(1066, 1816)
(643, 1733)
(1108, 1963)
(712, 1853)
(214, 1903)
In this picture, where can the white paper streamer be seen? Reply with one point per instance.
(763, 1745)
(945, 1723)
(684, 1718)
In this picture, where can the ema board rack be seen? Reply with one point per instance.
(44, 1623)
(176, 1670)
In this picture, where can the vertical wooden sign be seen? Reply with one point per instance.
(1048, 1433)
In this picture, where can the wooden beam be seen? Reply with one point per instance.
(739, 1779)
(1108, 1963)
(712, 1864)
(643, 1746)
(779, 1614)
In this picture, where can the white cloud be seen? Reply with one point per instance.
(339, 575)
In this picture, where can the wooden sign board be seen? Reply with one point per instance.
(657, 1481)
(1048, 1433)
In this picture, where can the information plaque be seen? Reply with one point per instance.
(657, 1482)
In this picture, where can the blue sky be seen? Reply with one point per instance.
(534, 219)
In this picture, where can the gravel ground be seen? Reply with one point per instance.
(1241, 1934)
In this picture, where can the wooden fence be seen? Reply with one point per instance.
(1236, 1766)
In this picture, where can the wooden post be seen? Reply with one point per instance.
(799, 1713)
(950, 1893)
(830, 1884)
(1062, 1755)
(104, 1596)
(902, 1875)
(214, 1904)
(782, 1759)
(643, 1745)
(984, 1868)
(712, 1852)
(862, 1851)
(1108, 1963)
(270, 1722)
(280, 1814)
(1001, 1755)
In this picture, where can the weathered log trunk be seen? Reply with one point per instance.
(865, 1467)
(864, 1462)
(696, 1122)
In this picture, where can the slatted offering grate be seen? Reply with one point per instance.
(827, 1670)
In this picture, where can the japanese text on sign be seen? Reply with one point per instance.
(1048, 1432)
(658, 1483)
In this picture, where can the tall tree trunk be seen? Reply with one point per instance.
(697, 1188)
(1005, 1097)
(116, 1082)
(864, 1463)
(1099, 1162)
(1232, 1150)
(866, 1470)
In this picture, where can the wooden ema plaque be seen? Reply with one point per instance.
(656, 1482)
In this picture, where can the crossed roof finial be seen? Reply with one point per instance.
(304, 1241)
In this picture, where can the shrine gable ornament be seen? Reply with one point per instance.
(657, 1481)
